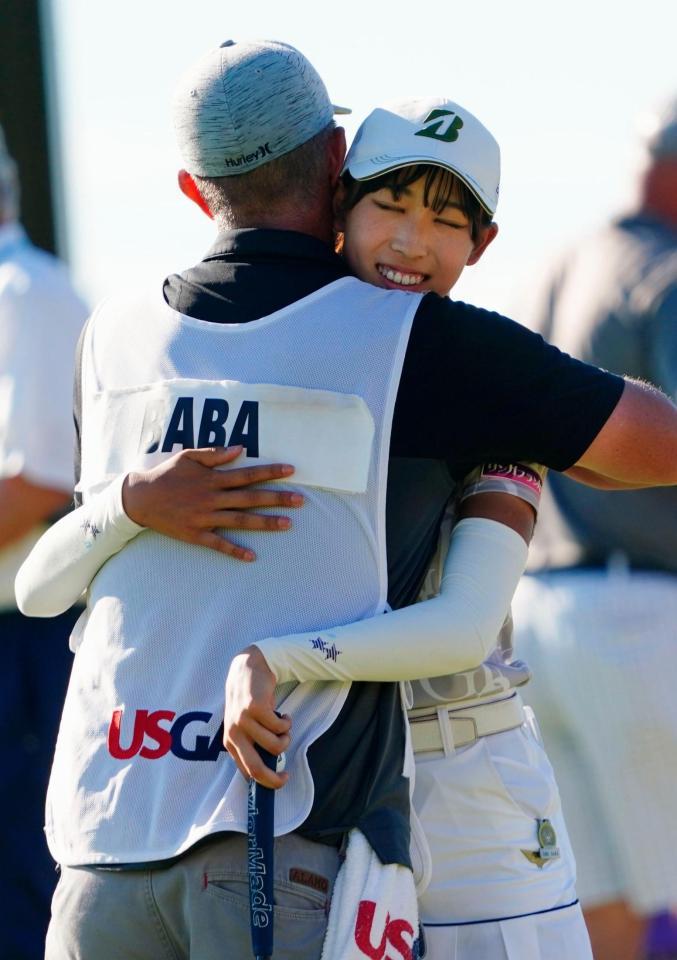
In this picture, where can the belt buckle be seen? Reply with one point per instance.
(446, 721)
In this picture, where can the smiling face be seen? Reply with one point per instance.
(394, 240)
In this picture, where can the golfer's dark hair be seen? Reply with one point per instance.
(440, 185)
(296, 178)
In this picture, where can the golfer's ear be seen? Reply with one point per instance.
(188, 187)
(487, 235)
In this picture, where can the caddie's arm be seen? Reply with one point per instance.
(637, 445)
(184, 497)
(600, 482)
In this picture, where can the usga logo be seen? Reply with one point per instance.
(154, 734)
(397, 933)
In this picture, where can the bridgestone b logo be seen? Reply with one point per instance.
(445, 129)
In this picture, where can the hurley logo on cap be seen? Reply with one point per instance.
(262, 151)
(445, 130)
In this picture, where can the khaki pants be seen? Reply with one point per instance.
(198, 908)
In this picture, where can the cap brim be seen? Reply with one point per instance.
(340, 111)
(365, 171)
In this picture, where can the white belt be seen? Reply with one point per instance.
(459, 727)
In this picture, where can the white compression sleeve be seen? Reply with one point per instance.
(66, 558)
(452, 632)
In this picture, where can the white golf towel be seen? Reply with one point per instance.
(373, 911)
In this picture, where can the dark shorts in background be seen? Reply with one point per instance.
(36, 664)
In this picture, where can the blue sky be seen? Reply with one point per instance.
(560, 86)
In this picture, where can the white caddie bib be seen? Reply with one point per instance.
(140, 772)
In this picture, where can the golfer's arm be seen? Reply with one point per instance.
(452, 632)
(637, 446)
(68, 556)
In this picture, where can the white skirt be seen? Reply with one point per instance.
(556, 935)
(490, 896)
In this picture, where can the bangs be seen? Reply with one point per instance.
(440, 186)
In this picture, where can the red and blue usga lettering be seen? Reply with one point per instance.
(155, 733)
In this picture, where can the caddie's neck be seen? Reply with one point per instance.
(311, 211)
(315, 220)
(307, 209)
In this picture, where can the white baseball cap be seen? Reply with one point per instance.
(245, 103)
(428, 130)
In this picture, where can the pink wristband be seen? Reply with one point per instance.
(523, 480)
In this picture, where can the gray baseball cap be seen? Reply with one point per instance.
(244, 104)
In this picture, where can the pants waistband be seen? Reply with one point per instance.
(446, 728)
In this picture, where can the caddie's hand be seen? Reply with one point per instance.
(186, 498)
(250, 717)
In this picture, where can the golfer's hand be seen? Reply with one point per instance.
(250, 717)
(187, 499)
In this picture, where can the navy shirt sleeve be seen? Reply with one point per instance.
(477, 386)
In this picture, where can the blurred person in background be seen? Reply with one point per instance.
(597, 621)
(40, 321)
